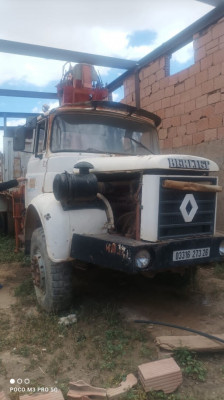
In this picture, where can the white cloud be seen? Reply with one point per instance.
(16, 122)
(50, 104)
(96, 27)
(184, 54)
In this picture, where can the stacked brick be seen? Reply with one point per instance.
(191, 102)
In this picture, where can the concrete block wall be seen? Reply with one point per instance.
(190, 103)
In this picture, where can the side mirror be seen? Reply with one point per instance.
(19, 138)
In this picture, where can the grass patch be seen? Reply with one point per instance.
(7, 254)
(191, 366)
(26, 288)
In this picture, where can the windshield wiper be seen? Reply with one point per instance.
(142, 145)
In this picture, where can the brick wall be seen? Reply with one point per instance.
(191, 102)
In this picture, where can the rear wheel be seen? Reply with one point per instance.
(52, 281)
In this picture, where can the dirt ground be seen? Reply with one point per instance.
(105, 344)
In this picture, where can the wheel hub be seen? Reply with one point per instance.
(38, 271)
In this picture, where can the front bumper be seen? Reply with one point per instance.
(119, 253)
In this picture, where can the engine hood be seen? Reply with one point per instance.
(175, 162)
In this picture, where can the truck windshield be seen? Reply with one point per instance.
(103, 134)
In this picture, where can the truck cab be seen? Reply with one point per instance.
(99, 191)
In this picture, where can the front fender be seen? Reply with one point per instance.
(59, 225)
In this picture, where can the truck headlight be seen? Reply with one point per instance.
(221, 248)
(142, 259)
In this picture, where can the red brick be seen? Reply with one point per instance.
(175, 121)
(161, 113)
(219, 108)
(196, 114)
(213, 50)
(185, 119)
(194, 69)
(163, 133)
(202, 124)
(157, 105)
(172, 132)
(218, 30)
(175, 100)
(155, 87)
(219, 82)
(214, 70)
(181, 130)
(152, 79)
(152, 68)
(214, 97)
(200, 53)
(160, 74)
(201, 77)
(169, 112)
(166, 102)
(162, 62)
(183, 75)
(189, 106)
(191, 128)
(207, 87)
(173, 79)
(212, 44)
(195, 92)
(221, 132)
(218, 57)
(210, 134)
(202, 101)
(187, 140)
(221, 39)
(169, 91)
(166, 123)
(144, 83)
(203, 40)
(179, 109)
(198, 137)
(163, 83)
(186, 96)
(165, 144)
(207, 61)
(215, 121)
(144, 102)
(189, 83)
(179, 88)
(177, 142)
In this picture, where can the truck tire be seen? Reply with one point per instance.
(52, 281)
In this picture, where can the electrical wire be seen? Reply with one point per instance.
(137, 321)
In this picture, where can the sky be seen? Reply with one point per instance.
(127, 29)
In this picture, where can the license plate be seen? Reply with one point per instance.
(191, 254)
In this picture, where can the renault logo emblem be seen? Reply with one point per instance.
(188, 207)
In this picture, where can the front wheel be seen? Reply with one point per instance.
(52, 281)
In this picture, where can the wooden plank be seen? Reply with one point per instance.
(194, 343)
(190, 186)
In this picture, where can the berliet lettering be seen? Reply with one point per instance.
(188, 164)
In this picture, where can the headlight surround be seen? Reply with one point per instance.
(142, 259)
(221, 248)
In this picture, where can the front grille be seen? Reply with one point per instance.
(171, 220)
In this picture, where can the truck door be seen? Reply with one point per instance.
(37, 165)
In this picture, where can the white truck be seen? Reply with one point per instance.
(98, 191)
